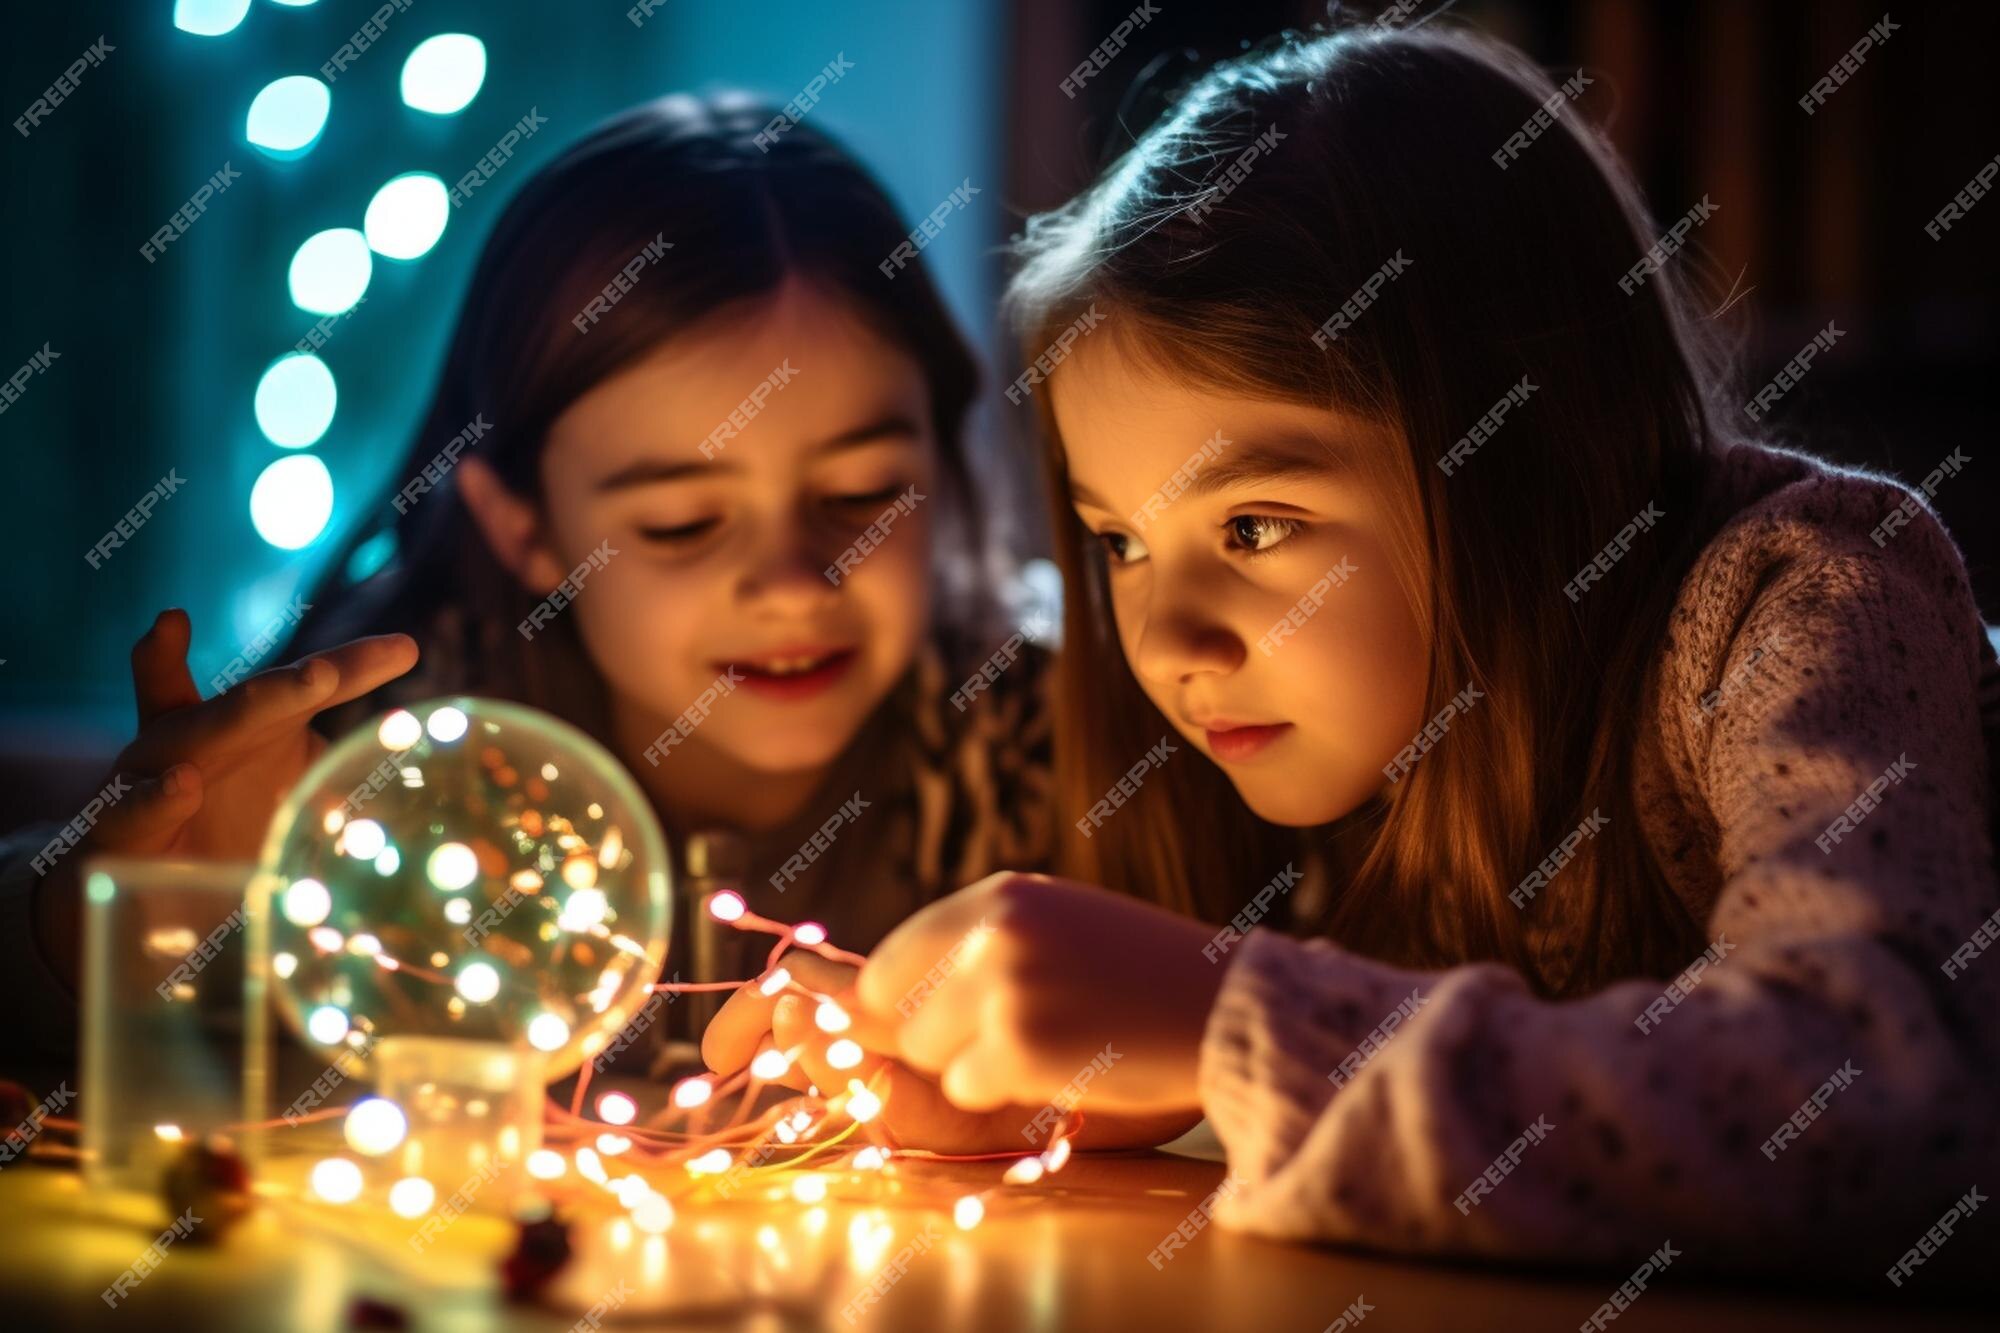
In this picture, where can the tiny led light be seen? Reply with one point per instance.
(844, 1054)
(452, 866)
(615, 1108)
(546, 1032)
(590, 1166)
(1057, 1154)
(653, 1214)
(692, 1092)
(870, 1158)
(711, 1163)
(586, 908)
(307, 902)
(546, 1164)
(777, 981)
(809, 1189)
(726, 905)
(458, 911)
(326, 1024)
(809, 933)
(612, 1144)
(830, 1017)
(770, 1065)
(478, 982)
(400, 730)
(364, 839)
(284, 964)
(967, 1212)
(446, 724)
(411, 1196)
(579, 871)
(168, 1133)
(1024, 1172)
(862, 1104)
(336, 1180)
(374, 1126)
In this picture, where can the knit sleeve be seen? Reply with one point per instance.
(1817, 1088)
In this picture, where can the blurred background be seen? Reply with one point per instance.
(313, 126)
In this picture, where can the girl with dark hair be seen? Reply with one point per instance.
(694, 478)
(1425, 597)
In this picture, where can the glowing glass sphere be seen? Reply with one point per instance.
(415, 877)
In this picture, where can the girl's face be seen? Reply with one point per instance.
(730, 470)
(1251, 577)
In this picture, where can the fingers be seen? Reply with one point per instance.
(288, 696)
(161, 681)
(794, 1077)
(248, 710)
(793, 1028)
(981, 1077)
(145, 819)
(730, 1041)
(366, 664)
(945, 1023)
(881, 1035)
(920, 954)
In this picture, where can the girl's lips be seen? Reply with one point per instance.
(793, 685)
(1234, 744)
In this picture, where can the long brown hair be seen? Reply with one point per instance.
(1384, 147)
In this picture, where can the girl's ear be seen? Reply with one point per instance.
(512, 527)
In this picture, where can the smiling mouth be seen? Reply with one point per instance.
(793, 673)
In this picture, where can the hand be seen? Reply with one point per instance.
(208, 774)
(1024, 987)
(914, 1110)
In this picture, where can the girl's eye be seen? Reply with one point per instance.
(875, 497)
(681, 532)
(1121, 548)
(1256, 534)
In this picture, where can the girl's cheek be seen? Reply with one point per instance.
(638, 615)
(896, 587)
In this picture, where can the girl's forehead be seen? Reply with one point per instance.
(788, 365)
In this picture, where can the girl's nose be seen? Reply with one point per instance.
(787, 573)
(1182, 638)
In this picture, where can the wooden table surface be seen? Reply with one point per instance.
(1069, 1254)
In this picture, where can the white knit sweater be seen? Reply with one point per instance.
(1822, 1090)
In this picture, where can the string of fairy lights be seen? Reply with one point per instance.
(788, 1151)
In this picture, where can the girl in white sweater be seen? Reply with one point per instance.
(1629, 775)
